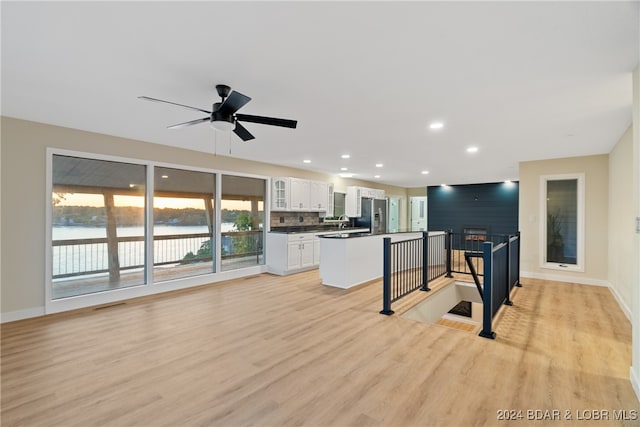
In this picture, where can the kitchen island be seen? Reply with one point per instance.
(348, 260)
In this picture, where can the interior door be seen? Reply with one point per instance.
(418, 213)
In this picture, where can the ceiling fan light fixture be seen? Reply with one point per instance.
(222, 125)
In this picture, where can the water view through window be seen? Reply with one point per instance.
(183, 223)
(100, 235)
(97, 215)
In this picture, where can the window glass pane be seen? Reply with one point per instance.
(562, 221)
(183, 223)
(242, 221)
(97, 225)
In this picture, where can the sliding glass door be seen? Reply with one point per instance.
(98, 225)
(242, 221)
(183, 223)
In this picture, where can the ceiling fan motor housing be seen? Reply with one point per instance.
(221, 121)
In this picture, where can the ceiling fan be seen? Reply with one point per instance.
(224, 117)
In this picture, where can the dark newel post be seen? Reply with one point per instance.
(386, 279)
(112, 239)
(519, 247)
(487, 297)
(425, 261)
(508, 272)
(449, 247)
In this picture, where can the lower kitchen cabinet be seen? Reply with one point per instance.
(300, 254)
(290, 253)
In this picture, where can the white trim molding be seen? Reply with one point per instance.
(26, 313)
(580, 225)
(565, 279)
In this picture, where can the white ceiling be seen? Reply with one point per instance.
(519, 80)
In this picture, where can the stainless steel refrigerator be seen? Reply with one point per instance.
(373, 215)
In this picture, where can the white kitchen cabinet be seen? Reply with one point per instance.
(378, 194)
(318, 196)
(316, 250)
(299, 194)
(352, 202)
(289, 253)
(353, 199)
(296, 194)
(330, 200)
(280, 194)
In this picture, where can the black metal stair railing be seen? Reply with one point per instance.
(410, 265)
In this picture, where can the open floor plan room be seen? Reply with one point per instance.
(276, 351)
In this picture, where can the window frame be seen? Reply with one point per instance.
(151, 286)
(580, 222)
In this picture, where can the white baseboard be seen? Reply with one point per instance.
(566, 279)
(26, 313)
(635, 383)
(82, 301)
(625, 308)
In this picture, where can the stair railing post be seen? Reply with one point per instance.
(519, 247)
(487, 295)
(425, 261)
(508, 272)
(386, 277)
(449, 246)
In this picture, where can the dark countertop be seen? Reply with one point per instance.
(312, 229)
(354, 235)
(345, 235)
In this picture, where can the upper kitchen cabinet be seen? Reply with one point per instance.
(319, 196)
(352, 206)
(300, 197)
(280, 194)
(295, 194)
(354, 197)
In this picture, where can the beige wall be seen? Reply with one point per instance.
(635, 286)
(596, 173)
(621, 218)
(24, 198)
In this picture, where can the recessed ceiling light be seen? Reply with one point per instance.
(425, 172)
(472, 150)
(343, 169)
(345, 156)
(346, 175)
(436, 125)
(165, 176)
(507, 181)
(379, 165)
(443, 185)
(306, 161)
(376, 176)
(131, 185)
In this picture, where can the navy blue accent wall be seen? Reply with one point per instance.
(490, 206)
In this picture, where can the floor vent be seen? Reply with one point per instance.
(102, 307)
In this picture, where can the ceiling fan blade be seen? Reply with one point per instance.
(267, 120)
(243, 133)
(191, 123)
(233, 103)
(146, 98)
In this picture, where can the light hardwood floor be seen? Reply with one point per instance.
(285, 351)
